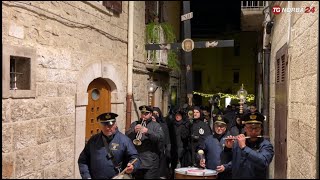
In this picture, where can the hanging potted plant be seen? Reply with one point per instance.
(161, 33)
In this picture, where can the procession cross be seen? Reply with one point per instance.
(187, 45)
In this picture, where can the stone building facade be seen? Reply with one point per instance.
(66, 46)
(298, 33)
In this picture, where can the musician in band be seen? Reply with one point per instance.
(199, 131)
(108, 152)
(213, 146)
(249, 153)
(148, 138)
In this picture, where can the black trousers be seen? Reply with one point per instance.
(164, 166)
(147, 174)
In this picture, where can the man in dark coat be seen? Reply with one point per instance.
(180, 146)
(199, 131)
(249, 156)
(165, 148)
(151, 138)
(108, 152)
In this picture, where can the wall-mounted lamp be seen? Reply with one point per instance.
(269, 27)
(152, 87)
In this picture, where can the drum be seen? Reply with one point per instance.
(195, 173)
(122, 176)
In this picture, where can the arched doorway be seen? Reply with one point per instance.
(99, 101)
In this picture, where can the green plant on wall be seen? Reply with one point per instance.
(153, 36)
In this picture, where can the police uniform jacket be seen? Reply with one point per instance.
(221, 137)
(93, 161)
(250, 162)
(212, 151)
(223, 159)
(149, 150)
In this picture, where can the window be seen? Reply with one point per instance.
(150, 11)
(115, 6)
(197, 80)
(236, 77)
(236, 49)
(153, 9)
(18, 72)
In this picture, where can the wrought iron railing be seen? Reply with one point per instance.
(253, 5)
(158, 57)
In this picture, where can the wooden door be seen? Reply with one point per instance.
(99, 101)
(281, 111)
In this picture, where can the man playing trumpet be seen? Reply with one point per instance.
(147, 137)
(249, 157)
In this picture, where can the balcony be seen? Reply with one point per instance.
(252, 15)
(157, 60)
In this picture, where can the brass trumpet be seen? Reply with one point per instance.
(137, 140)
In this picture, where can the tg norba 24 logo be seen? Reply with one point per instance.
(277, 10)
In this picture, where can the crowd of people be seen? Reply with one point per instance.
(155, 146)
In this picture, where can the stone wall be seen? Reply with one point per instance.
(302, 87)
(75, 43)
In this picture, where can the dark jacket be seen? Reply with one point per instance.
(250, 162)
(212, 151)
(93, 161)
(180, 150)
(223, 160)
(199, 131)
(149, 150)
(165, 146)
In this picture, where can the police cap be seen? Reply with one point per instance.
(219, 119)
(253, 118)
(108, 118)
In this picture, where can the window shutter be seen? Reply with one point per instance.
(278, 71)
(281, 64)
(283, 68)
(115, 6)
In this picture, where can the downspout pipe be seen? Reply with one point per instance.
(130, 65)
(266, 91)
(268, 24)
(317, 119)
(266, 73)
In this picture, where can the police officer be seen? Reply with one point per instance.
(108, 152)
(151, 139)
(220, 130)
(199, 131)
(213, 146)
(249, 157)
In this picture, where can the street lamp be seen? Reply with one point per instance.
(242, 94)
(152, 87)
